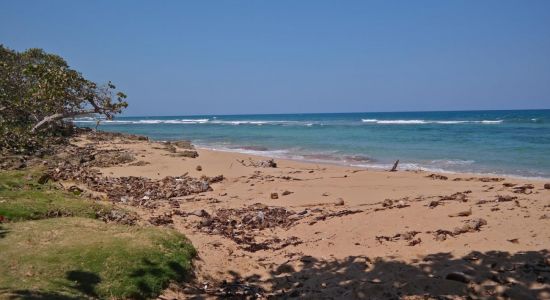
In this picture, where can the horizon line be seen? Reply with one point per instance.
(322, 113)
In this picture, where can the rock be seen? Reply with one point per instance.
(387, 203)
(433, 204)
(189, 153)
(325, 194)
(200, 213)
(462, 213)
(440, 237)
(547, 186)
(274, 196)
(286, 193)
(198, 168)
(458, 276)
(206, 222)
(184, 145)
(505, 198)
(170, 148)
(339, 202)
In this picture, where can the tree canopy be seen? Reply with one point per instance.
(39, 92)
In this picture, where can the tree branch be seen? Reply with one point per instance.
(59, 116)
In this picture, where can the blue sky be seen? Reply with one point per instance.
(232, 57)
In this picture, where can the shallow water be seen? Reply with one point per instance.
(499, 142)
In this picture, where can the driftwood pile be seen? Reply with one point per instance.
(243, 225)
(137, 191)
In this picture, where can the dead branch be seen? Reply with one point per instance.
(394, 168)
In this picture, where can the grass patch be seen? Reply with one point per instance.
(23, 198)
(71, 258)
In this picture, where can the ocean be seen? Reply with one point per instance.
(511, 142)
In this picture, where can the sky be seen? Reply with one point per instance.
(251, 57)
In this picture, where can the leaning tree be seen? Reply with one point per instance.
(39, 93)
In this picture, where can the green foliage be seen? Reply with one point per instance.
(23, 198)
(39, 91)
(75, 258)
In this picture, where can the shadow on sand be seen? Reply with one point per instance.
(524, 275)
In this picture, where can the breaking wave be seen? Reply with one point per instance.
(376, 121)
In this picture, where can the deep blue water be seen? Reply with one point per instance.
(500, 142)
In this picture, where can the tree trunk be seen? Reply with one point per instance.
(59, 116)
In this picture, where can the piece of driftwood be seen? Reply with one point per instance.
(394, 168)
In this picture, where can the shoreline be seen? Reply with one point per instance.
(478, 142)
(258, 153)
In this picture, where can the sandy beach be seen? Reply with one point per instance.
(324, 231)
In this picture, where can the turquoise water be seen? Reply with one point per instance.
(497, 142)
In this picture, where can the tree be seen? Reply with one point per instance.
(39, 92)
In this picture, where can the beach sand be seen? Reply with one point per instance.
(355, 233)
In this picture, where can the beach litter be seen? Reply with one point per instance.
(243, 225)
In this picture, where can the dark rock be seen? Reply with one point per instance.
(274, 196)
(190, 154)
(198, 168)
(184, 145)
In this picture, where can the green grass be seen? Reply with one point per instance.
(74, 258)
(23, 198)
